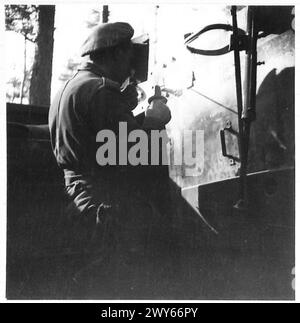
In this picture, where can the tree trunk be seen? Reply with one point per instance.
(40, 84)
(105, 13)
(24, 72)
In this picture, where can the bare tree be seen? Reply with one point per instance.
(105, 13)
(23, 20)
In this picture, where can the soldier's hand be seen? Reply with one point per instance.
(131, 96)
(157, 115)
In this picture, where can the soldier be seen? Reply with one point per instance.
(91, 101)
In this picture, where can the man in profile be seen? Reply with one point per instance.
(111, 205)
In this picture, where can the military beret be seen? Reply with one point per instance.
(106, 35)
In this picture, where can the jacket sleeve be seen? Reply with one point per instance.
(108, 108)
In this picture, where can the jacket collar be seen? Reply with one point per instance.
(91, 67)
(94, 68)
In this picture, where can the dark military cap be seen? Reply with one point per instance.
(107, 35)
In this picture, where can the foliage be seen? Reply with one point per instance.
(13, 88)
(71, 67)
(94, 19)
(22, 19)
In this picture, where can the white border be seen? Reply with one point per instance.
(3, 136)
(2, 163)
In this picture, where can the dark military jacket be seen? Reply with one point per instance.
(86, 104)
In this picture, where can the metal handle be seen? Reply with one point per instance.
(223, 143)
(215, 52)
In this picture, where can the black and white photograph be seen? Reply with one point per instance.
(149, 151)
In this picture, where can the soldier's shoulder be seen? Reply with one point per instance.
(111, 85)
(107, 89)
(92, 83)
(102, 85)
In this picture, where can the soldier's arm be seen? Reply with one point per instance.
(108, 108)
